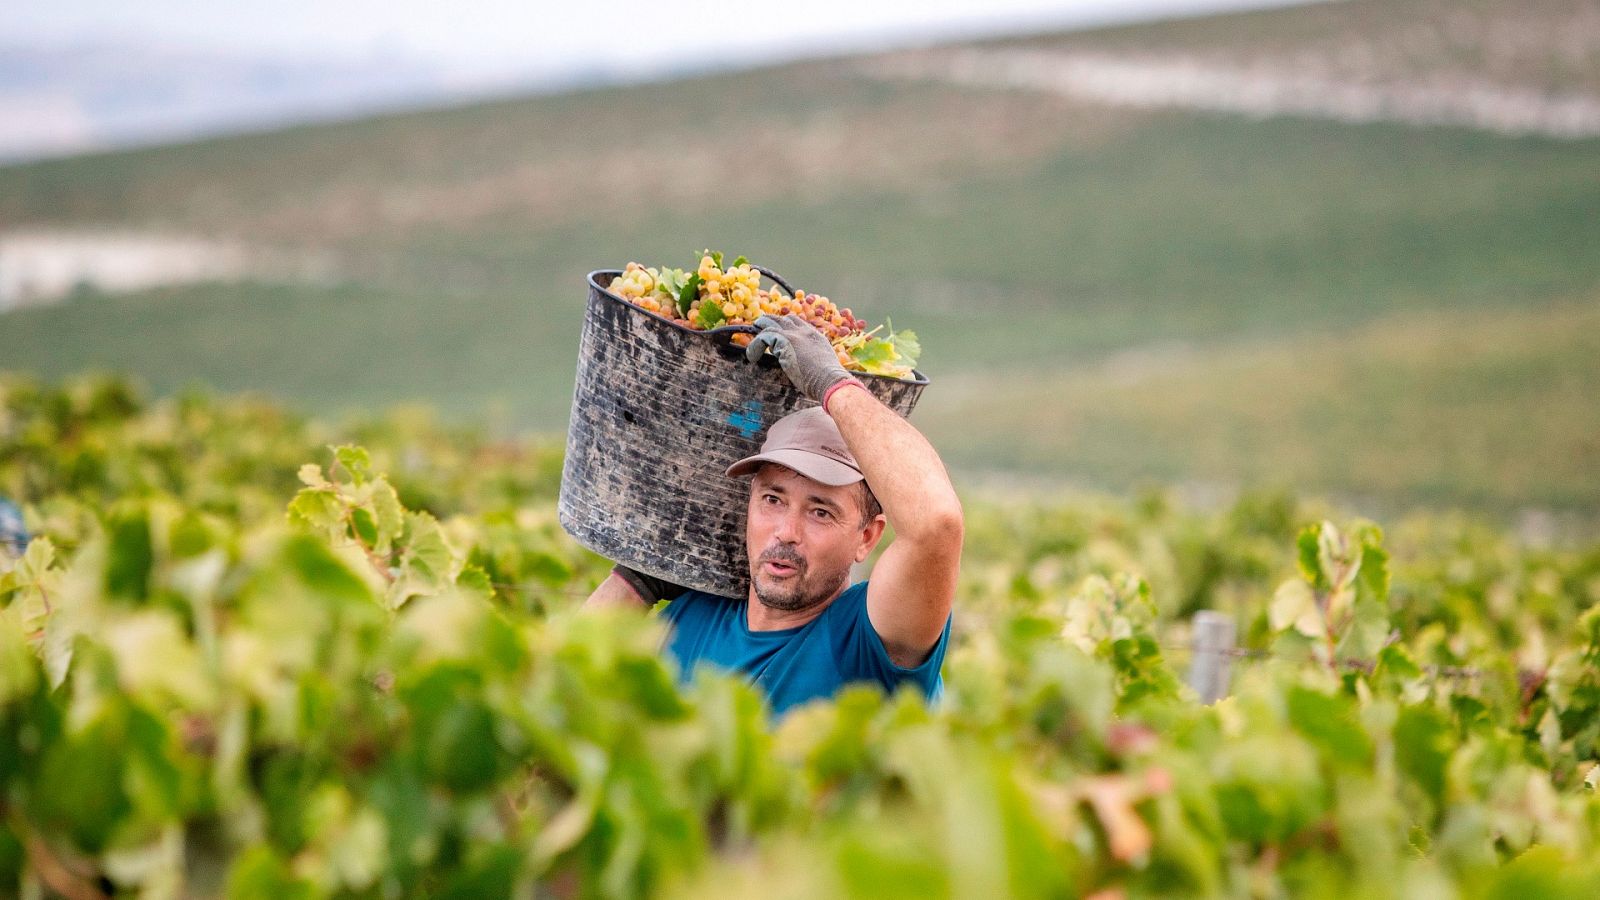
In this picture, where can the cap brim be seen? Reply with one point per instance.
(814, 466)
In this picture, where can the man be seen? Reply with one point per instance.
(803, 631)
(13, 535)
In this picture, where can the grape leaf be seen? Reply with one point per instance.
(1423, 743)
(365, 528)
(1372, 579)
(260, 873)
(1310, 563)
(1295, 606)
(907, 345)
(1396, 662)
(311, 475)
(710, 315)
(390, 515)
(130, 554)
(356, 461)
(18, 669)
(670, 282)
(893, 355)
(1331, 721)
(686, 294)
(875, 353)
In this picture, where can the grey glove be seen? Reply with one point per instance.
(805, 354)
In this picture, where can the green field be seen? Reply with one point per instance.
(1489, 409)
(1379, 311)
(218, 679)
(275, 631)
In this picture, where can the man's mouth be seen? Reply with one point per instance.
(781, 563)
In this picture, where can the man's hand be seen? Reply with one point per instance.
(806, 355)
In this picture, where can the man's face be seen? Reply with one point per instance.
(803, 536)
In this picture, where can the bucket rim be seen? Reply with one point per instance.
(918, 378)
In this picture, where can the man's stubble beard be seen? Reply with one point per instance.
(803, 592)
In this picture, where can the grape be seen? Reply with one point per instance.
(737, 293)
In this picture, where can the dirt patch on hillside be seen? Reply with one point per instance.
(1522, 68)
(1545, 46)
(42, 267)
(1259, 90)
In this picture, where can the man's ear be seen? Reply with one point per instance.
(871, 533)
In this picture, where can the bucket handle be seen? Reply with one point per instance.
(776, 278)
(723, 335)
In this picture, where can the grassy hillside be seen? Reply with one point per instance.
(1028, 238)
(1494, 409)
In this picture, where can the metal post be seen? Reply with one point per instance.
(1211, 668)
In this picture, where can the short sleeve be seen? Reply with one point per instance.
(648, 586)
(866, 659)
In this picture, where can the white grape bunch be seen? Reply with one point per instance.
(713, 296)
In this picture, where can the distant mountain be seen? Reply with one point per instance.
(65, 100)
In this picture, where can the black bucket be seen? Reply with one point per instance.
(658, 414)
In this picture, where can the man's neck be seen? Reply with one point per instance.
(761, 617)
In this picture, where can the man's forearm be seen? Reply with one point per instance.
(615, 593)
(903, 469)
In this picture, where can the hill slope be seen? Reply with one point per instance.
(1027, 235)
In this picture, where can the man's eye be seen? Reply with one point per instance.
(769, 498)
(822, 513)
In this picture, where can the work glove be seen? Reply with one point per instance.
(806, 355)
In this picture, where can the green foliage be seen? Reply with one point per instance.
(710, 315)
(687, 291)
(214, 682)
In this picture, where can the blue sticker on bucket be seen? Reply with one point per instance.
(748, 419)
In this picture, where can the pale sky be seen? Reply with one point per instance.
(492, 39)
(99, 74)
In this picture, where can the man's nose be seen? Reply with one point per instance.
(788, 527)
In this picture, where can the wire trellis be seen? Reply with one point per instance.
(1211, 655)
(1211, 682)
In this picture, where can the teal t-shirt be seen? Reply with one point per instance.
(793, 665)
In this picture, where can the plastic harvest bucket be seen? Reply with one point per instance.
(659, 412)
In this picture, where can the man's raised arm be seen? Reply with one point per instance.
(913, 585)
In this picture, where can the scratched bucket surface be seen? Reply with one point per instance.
(659, 412)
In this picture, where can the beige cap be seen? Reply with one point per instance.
(808, 442)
